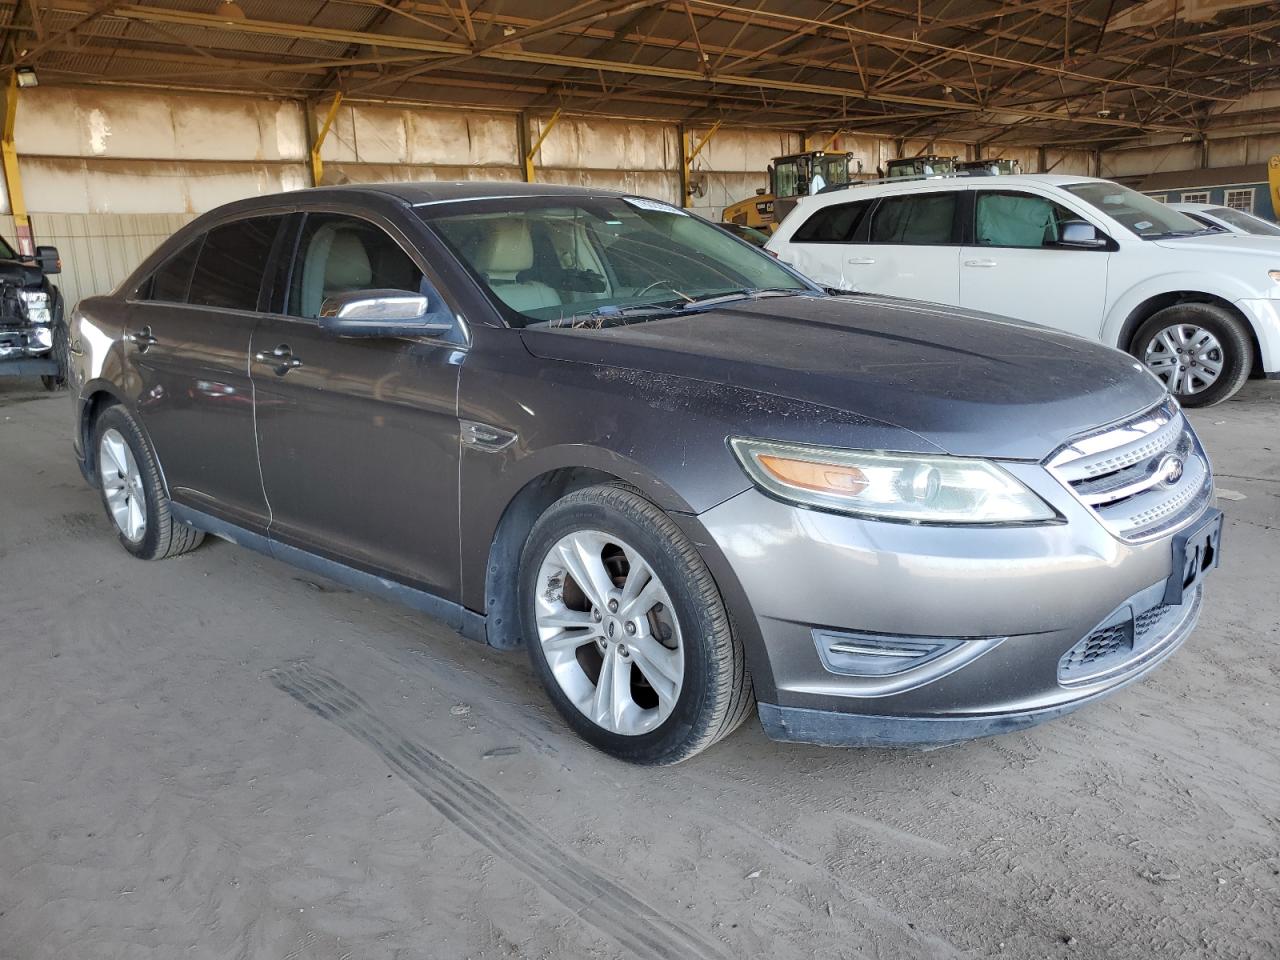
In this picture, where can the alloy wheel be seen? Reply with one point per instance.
(1186, 357)
(609, 632)
(122, 486)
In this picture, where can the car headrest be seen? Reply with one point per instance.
(347, 266)
(506, 248)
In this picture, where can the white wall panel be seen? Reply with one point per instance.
(98, 250)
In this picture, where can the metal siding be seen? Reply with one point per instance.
(98, 249)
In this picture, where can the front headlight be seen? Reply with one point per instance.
(37, 303)
(890, 486)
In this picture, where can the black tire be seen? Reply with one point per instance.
(163, 537)
(1231, 333)
(716, 693)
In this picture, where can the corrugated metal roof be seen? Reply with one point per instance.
(982, 70)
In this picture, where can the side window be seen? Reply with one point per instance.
(172, 279)
(924, 218)
(337, 254)
(229, 270)
(1018, 220)
(834, 224)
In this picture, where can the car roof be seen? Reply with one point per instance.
(888, 188)
(443, 191)
(1179, 205)
(925, 184)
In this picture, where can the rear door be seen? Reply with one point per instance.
(912, 248)
(1016, 265)
(358, 436)
(188, 337)
(820, 246)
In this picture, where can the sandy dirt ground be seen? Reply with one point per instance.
(220, 756)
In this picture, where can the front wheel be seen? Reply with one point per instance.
(627, 630)
(1202, 352)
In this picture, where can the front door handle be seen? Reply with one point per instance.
(861, 261)
(979, 263)
(142, 339)
(281, 359)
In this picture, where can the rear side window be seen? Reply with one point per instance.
(834, 224)
(229, 269)
(169, 284)
(925, 218)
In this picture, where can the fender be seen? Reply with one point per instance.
(1216, 285)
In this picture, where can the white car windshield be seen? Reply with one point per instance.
(599, 261)
(1245, 221)
(1147, 218)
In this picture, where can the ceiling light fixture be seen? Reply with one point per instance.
(230, 11)
(27, 77)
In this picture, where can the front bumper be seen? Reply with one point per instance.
(1006, 605)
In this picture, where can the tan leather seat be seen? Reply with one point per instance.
(336, 262)
(506, 250)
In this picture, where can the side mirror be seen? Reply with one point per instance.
(1079, 234)
(380, 313)
(48, 260)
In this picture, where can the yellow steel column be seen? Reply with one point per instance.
(317, 165)
(689, 151)
(12, 175)
(533, 148)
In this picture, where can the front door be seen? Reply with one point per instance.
(1017, 266)
(358, 436)
(188, 335)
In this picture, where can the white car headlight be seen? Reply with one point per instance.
(37, 303)
(891, 486)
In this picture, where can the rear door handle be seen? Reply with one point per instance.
(979, 263)
(281, 359)
(861, 261)
(142, 339)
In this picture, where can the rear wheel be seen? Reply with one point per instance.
(132, 494)
(627, 630)
(1201, 351)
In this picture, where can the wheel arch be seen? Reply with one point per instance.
(1153, 304)
(94, 399)
(501, 590)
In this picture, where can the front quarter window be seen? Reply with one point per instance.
(584, 261)
(1136, 212)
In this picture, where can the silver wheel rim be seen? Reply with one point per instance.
(122, 486)
(609, 633)
(1187, 358)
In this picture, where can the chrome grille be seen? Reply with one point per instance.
(1121, 473)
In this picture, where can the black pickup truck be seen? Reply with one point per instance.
(33, 334)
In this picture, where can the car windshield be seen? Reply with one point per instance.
(1245, 221)
(598, 261)
(1149, 219)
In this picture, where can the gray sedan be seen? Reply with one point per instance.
(690, 482)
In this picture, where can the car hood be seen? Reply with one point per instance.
(1236, 244)
(970, 384)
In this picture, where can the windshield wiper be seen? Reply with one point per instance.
(1174, 234)
(602, 315)
(747, 293)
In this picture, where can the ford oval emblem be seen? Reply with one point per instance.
(1169, 470)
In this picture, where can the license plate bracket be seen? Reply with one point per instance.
(1195, 552)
